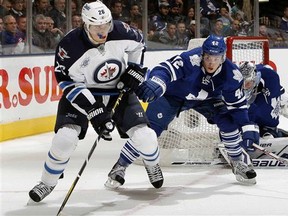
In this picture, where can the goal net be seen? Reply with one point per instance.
(190, 139)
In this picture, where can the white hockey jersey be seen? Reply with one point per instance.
(84, 70)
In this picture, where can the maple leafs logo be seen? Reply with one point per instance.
(237, 75)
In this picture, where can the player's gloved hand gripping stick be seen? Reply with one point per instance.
(89, 155)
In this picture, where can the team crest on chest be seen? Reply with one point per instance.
(108, 71)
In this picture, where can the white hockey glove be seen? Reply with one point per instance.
(284, 105)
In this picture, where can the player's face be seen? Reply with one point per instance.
(99, 32)
(211, 62)
(248, 84)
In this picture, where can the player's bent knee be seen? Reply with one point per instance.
(64, 143)
(145, 140)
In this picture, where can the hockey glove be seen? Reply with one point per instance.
(100, 118)
(132, 77)
(151, 89)
(250, 135)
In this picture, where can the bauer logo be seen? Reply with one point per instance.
(268, 163)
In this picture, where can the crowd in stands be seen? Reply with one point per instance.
(171, 23)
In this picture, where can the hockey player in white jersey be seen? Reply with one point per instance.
(89, 63)
(203, 79)
(264, 95)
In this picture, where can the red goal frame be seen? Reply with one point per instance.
(230, 40)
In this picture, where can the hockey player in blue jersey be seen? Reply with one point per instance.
(264, 96)
(89, 63)
(204, 80)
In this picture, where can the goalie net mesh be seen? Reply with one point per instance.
(190, 139)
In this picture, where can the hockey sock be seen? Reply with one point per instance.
(231, 141)
(128, 154)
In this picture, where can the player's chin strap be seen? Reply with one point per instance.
(88, 157)
(272, 155)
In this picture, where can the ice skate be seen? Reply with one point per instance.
(116, 177)
(244, 173)
(40, 191)
(155, 175)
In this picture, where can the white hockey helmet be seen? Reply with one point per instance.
(97, 20)
(251, 80)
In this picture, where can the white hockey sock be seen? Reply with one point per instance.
(128, 154)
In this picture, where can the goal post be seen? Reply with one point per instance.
(190, 139)
(254, 49)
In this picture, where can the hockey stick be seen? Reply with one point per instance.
(88, 157)
(272, 155)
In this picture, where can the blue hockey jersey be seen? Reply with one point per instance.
(186, 80)
(265, 109)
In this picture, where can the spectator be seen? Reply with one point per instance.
(168, 35)
(1, 25)
(22, 24)
(284, 21)
(218, 28)
(135, 16)
(18, 8)
(76, 21)
(116, 10)
(263, 31)
(226, 19)
(234, 29)
(11, 38)
(160, 19)
(56, 33)
(41, 7)
(239, 15)
(58, 15)
(174, 12)
(189, 17)
(180, 5)
(182, 35)
(5, 8)
(191, 31)
(42, 41)
(75, 7)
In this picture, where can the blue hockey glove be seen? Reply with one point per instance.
(151, 89)
(132, 77)
(250, 135)
(100, 118)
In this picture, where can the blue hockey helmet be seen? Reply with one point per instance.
(214, 45)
